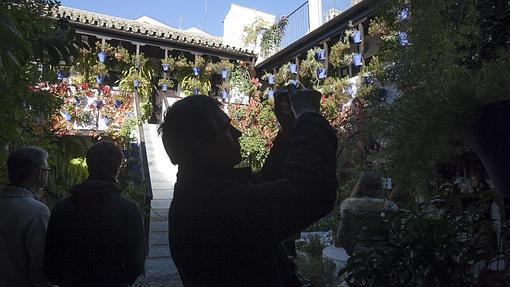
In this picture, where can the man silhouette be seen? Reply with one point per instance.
(225, 224)
(23, 219)
(95, 236)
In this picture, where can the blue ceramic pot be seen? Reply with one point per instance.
(320, 55)
(101, 56)
(100, 79)
(403, 14)
(196, 71)
(164, 87)
(136, 83)
(270, 79)
(67, 116)
(356, 37)
(293, 68)
(99, 104)
(224, 94)
(165, 67)
(402, 39)
(270, 93)
(117, 104)
(60, 75)
(357, 59)
(321, 73)
(196, 91)
(224, 73)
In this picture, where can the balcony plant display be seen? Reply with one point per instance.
(340, 55)
(142, 77)
(168, 64)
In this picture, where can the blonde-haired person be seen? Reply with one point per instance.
(362, 215)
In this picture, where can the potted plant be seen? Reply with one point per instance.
(269, 77)
(225, 68)
(199, 63)
(356, 37)
(210, 68)
(340, 55)
(60, 75)
(402, 38)
(165, 83)
(122, 55)
(321, 73)
(378, 28)
(320, 54)
(357, 59)
(102, 56)
(293, 68)
(136, 83)
(168, 64)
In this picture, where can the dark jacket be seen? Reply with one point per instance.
(225, 230)
(95, 238)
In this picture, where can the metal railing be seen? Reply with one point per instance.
(332, 8)
(298, 25)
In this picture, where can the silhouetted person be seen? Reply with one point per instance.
(361, 224)
(226, 225)
(95, 236)
(23, 219)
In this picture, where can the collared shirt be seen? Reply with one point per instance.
(23, 223)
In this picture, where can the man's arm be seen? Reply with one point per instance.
(34, 243)
(305, 193)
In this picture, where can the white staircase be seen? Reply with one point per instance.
(160, 269)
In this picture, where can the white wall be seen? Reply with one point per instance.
(235, 21)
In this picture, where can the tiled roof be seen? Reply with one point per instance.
(127, 25)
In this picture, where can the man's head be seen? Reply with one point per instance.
(28, 167)
(103, 160)
(196, 132)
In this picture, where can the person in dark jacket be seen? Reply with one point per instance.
(95, 236)
(226, 224)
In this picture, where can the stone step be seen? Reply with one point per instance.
(160, 266)
(161, 184)
(159, 214)
(162, 194)
(158, 238)
(159, 251)
(160, 203)
(158, 226)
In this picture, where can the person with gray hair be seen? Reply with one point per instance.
(23, 219)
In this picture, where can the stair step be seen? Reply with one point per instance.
(159, 214)
(160, 203)
(158, 226)
(159, 251)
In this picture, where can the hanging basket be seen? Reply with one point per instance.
(100, 79)
(320, 55)
(60, 75)
(196, 71)
(293, 68)
(321, 73)
(403, 14)
(164, 87)
(356, 37)
(166, 67)
(270, 79)
(357, 59)
(196, 91)
(117, 104)
(136, 84)
(224, 74)
(101, 56)
(402, 39)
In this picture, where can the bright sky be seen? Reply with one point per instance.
(182, 13)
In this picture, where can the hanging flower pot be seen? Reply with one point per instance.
(165, 67)
(321, 73)
(164, 87)
(99, 104)
(293, 68)
(196, 91)
(196, 71)
(101, 56)
(224, 73)
(77, 100)
(117, 104)
(67, 116)
(367, 80)
(224, 94)
(402, 39)
(270, 93)
(351, 91)
(403, 14)
(356, 59)
(356, 37)
(320, 55)
(60, 75)
(136, 83)
(100, 79)
(270, 79)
